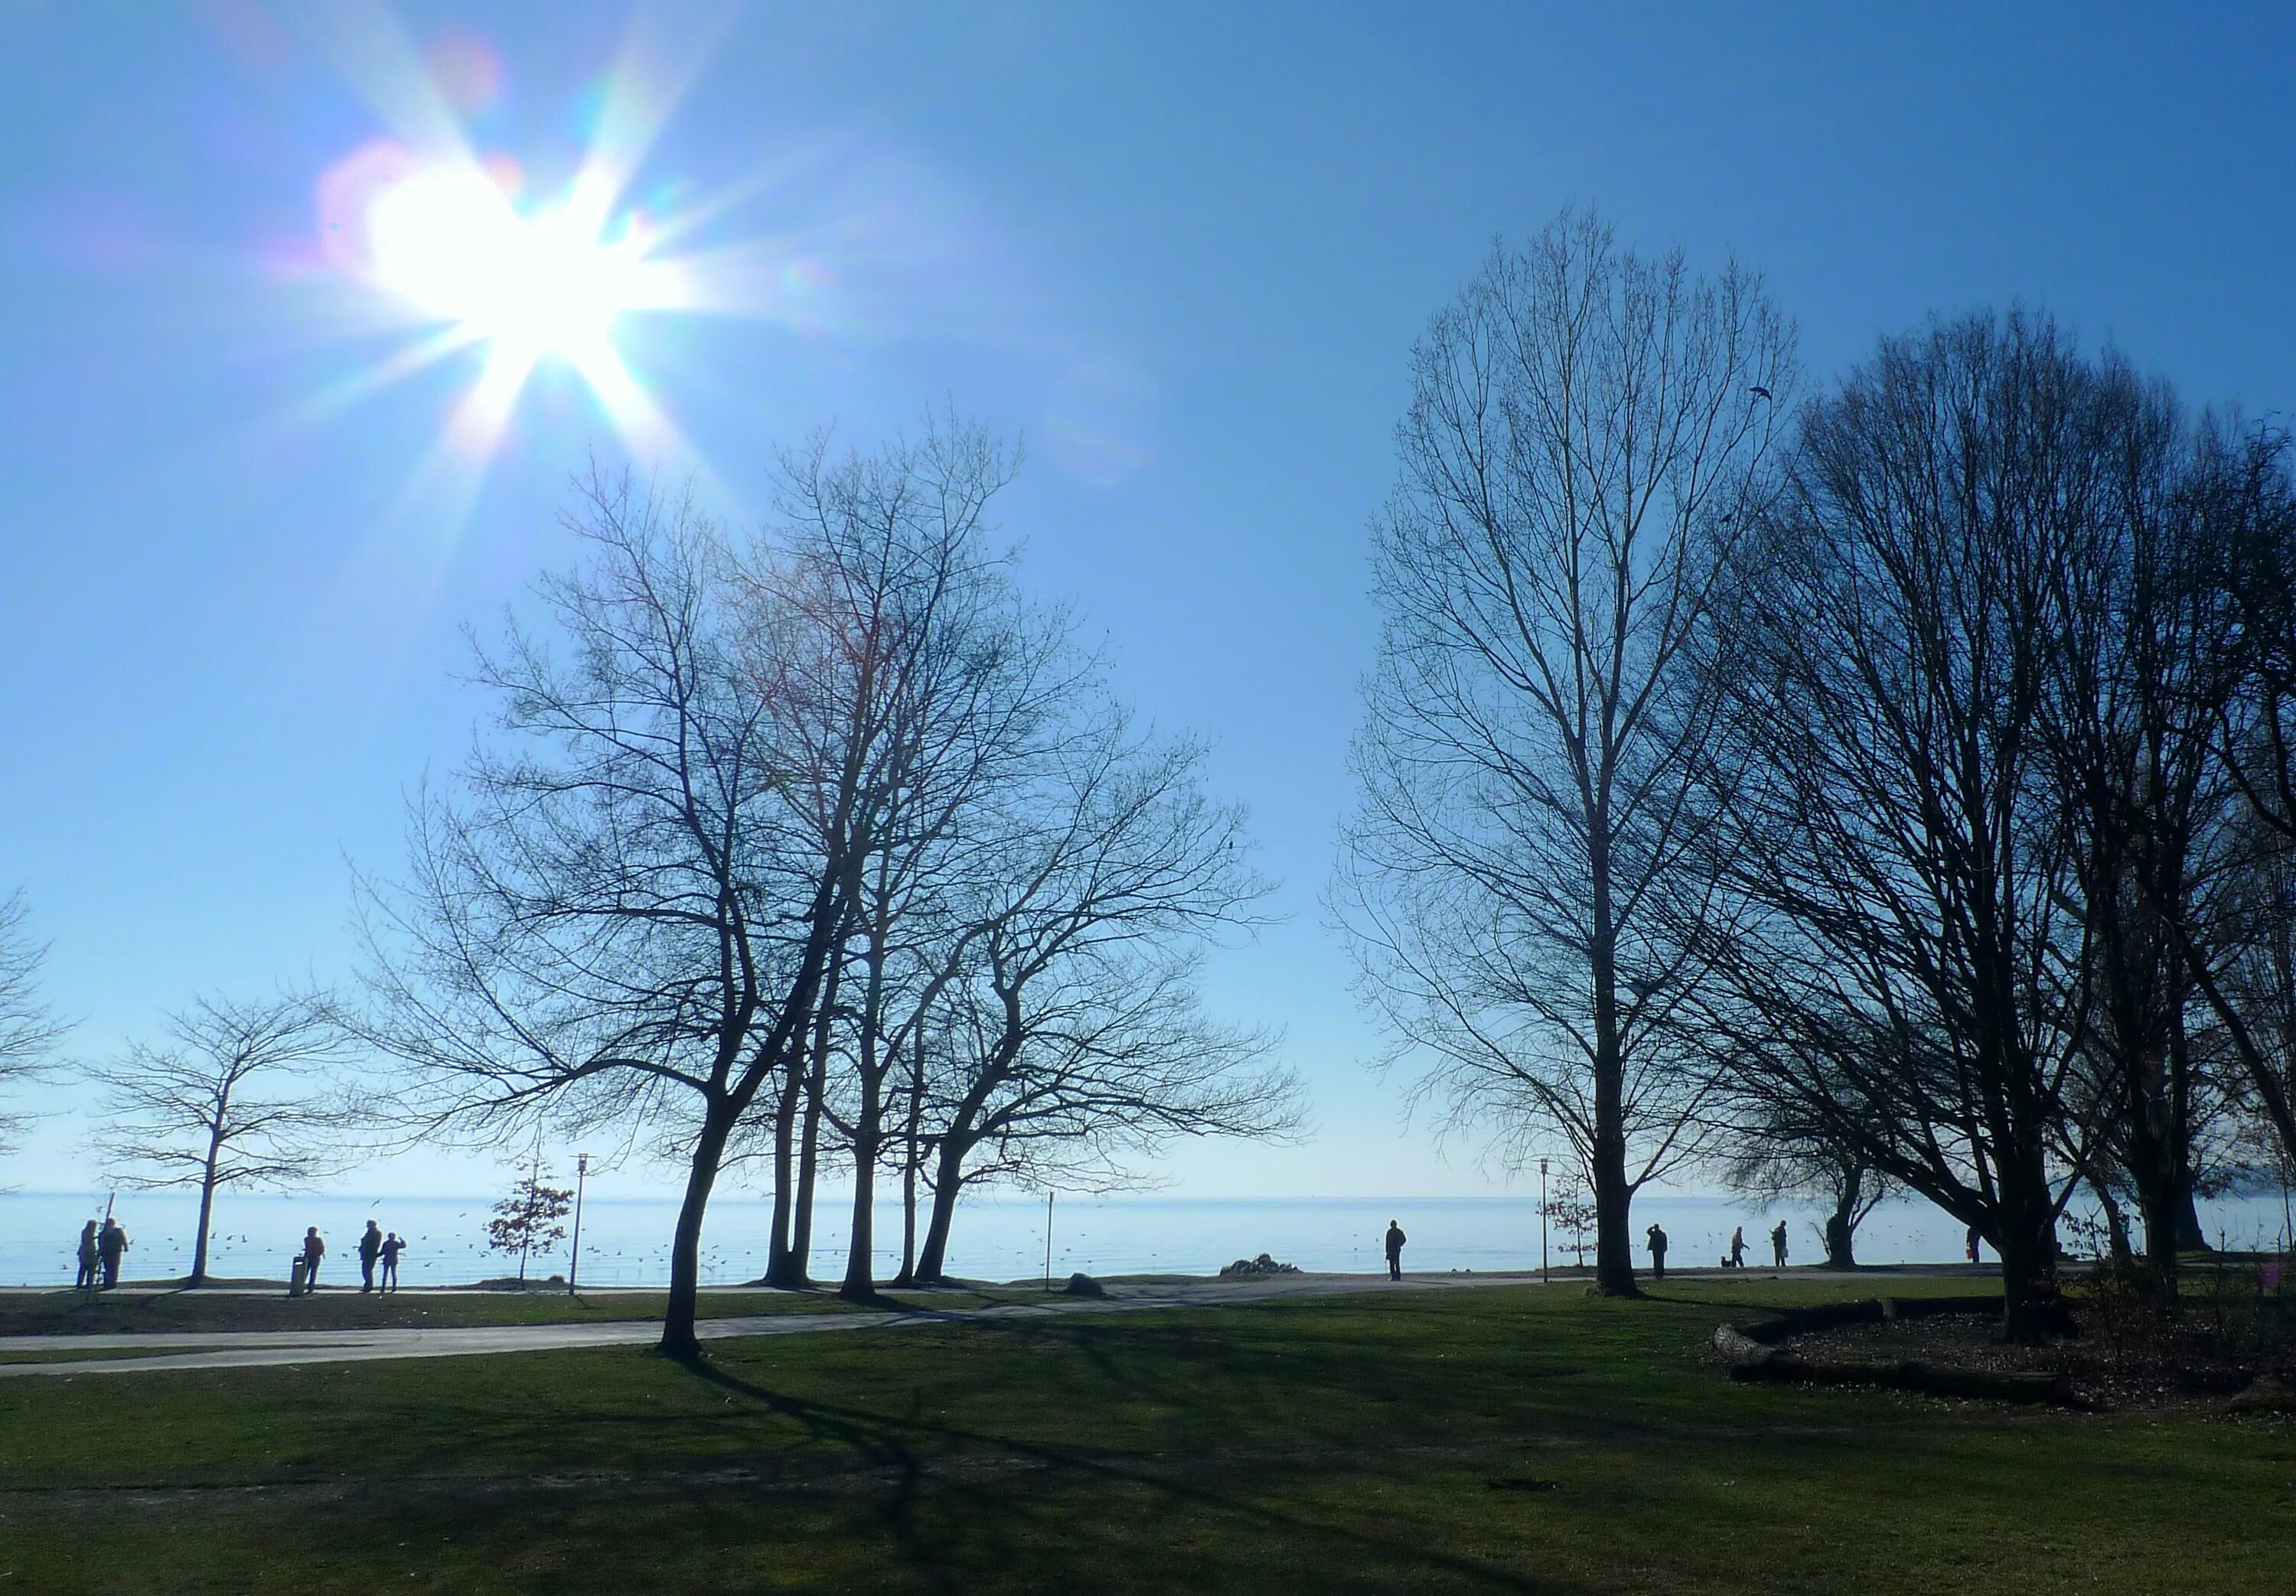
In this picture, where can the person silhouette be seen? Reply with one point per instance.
(313, 1250)
(1778, 1245)
(1655, 1240)
(391, 1248)
(1395, 1240)
(1737, 1258)
(1970, 1244)
(111, 1242)
(88, 1256)
(370, 1248)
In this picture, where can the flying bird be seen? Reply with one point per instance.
(1758, 391)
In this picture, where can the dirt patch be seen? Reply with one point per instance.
(2174, 1372)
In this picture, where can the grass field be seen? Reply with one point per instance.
(1500, 1439)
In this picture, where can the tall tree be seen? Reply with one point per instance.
(1905, 947)
(2249, 489)
(628, 907)
(238, 1096)
(1590, 429)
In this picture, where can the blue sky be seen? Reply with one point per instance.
(1183, 250)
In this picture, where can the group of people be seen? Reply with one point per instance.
(103, 1242)
(1735, 1258)
(1654, 1239)
(378, 1257)
(102, 1245)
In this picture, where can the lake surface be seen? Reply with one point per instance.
(626, 1242)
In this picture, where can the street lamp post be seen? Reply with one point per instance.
(1542, 1276)
(581, 1176)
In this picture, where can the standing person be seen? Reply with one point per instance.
(1395, 1240)
(1970, 1244)
(85, 1279)
(370, 1248)
(1737, 1258)
(313, 1250)
(1655, 1240)
(391, 1248)
(111, 1242)
(1778, 1245)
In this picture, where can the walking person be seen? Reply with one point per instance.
(1778, 1245)
(1655, 1240)
(370, 1249)
(1970, 1244)
(391, 1248)
(111, 1242)
(1737, 1258)
(85, 1279)
(1395, 1240)
(313, 1250)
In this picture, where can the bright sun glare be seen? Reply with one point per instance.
(454, 246)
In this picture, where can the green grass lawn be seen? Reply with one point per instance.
(72, 1312)
(1500, 1439)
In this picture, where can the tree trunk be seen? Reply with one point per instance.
(1614, 1251)
(788, 1256)
(809, 1165)
(2116, 1228)
(1841, 1224)
(787, 1105)
(2185, 1222)
(677, 1338)
(860, 1272)
(912, 1160)
(2032, 1309)
(198, 1276)
(932, 1257)
(908, 1274)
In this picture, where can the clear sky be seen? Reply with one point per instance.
(1182, 249)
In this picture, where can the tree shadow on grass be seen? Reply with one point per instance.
(994, 1512)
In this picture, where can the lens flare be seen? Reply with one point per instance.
(452, 245)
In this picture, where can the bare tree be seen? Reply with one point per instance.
(29, 1030)
(1905, 948)
(238, 1096)
(1783, 1151)
(629, 908)
(1070, 1039)
(1590, 429)
(896, 560)
(2249, 489)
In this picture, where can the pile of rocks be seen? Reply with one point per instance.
(1262, 1264)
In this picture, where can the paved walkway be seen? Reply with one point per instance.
(248, 1349)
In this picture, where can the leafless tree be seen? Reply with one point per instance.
(29, 1030)
(1590, 432)
(894, 558)
(2142, 660)
(1070, 1039)
(237, 1096)
(1905, 944)
(629, 909)
(2249, 491)
(1782, 1151)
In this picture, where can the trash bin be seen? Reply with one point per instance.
(295, 1278)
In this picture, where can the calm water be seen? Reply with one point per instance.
(625, 1243)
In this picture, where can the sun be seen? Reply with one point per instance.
(453, 246)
